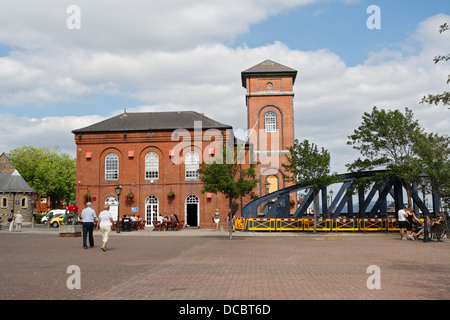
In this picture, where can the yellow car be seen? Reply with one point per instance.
(57, 220)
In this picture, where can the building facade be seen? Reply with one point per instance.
(154, 157)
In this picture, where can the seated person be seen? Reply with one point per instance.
(134, 220)
(417, 229)
(160, 220)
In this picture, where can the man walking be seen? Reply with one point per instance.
(88, 217)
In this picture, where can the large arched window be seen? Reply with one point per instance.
(111, 166)
(151, 166)
(191, 162)
(270, 121)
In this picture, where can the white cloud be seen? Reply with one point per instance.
(188, 66)
(43, 132)
(133, 25)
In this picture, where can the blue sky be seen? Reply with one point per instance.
(188, 55)
(342, 28)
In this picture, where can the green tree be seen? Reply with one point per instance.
(227, 176)
(386, 140)
(47, 171)
(445, 96)
(433, 151)
(310, 167)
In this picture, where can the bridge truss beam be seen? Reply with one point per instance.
(370, 203)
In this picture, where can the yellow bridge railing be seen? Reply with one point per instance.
(307, 224)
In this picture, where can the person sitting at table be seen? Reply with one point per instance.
(140, 222)
(134, 220)
(173, 221)
(160, 220)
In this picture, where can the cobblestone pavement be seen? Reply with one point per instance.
(207, 265)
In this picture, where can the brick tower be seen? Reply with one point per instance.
(270, 116)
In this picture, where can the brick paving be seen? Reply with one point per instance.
(207, 265)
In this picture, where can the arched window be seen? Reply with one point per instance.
(151, 165)
(191, 162)
(270, 121)
(111, 166)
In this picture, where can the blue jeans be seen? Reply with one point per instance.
(88, 228)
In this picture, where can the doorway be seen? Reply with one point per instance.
(151, 210)
(113, 206)
(191, 211)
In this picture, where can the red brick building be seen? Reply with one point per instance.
(155, 156)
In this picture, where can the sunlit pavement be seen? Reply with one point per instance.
(194, 264)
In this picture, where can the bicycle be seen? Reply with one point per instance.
(439, 229)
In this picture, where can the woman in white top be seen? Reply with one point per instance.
(106, 221)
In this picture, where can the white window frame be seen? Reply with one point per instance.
(270, 121)
(112, 166)
(151, 166)
(192, 164)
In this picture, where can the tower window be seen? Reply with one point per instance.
(270, 121)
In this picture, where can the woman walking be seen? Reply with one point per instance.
(11, 221)
(106, 221)
(216, 218)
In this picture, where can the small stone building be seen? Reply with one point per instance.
(15, 193)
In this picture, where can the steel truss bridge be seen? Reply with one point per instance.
(370, 209)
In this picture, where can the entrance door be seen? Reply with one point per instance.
(191, 213)
(151, 210)
(113, 206)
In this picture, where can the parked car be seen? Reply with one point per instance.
(52, 214)
(57, 220)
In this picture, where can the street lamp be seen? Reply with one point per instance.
(423, 182)
(118, 192)
(268, 184)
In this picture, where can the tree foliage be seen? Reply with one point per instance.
(433, 151)
(47, 171)
(395, 142)
(309, 166)
(445, 96)
(228, 176)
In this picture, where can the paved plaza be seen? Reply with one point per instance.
(200, 265)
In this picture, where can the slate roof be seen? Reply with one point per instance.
(152, 121)
(11, 180)
(269, 68)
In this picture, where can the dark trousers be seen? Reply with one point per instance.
(88, 229)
